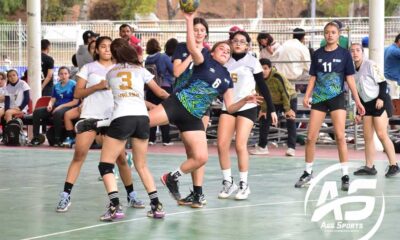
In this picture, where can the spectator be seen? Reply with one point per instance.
(3, 83)
(294, 57)
(392, 69)
(17, 96)
(163, 66)
(74, 68)
(170, 46)
(6, 63)
(82, 55)
(69, 117)
(47, 68)
(343, 41)
(284, 98)
(62, 100)
(234, 29)
(268, 47)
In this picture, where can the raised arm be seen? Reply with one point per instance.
(190, 41)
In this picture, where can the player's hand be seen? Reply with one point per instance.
(360, 109)
(255, 98)
(102, 85)
(307, 102)
(262, 114)
(358, 119)
(290, 114)
(379, 104)
(274, 119)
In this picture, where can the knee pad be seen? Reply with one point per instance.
(106, 168)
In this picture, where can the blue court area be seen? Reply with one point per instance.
(31, 180)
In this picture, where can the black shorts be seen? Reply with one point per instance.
(126, 127)
(250, 113)
(338, 102)
(100, 130)
(178, 115)
(370, 109)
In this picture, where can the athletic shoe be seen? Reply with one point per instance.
(392, 171)
(64, 203)
(38, 140)
(172, 185)
(113, 212)
(243, 192)
(134, 202)
(152, 143)
(68, 142)
(197, 200)
(304, 180)
(345, 183)
(129, 159)
(168, 144)
(259, 151)
(364, 170)
(156, 211)
(85, 125)
(188, 200)
(227, 189)
(291, 152)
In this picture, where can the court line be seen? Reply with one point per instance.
(168, 215)
(179, 213)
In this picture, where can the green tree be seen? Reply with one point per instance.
(131, 7)
(8, 7)
(55, 10)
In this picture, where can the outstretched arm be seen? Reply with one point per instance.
(190, 41)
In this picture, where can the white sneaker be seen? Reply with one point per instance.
(290, 152)
(259, 150)
(168, 144)
(227, 189)
(243, 192)
(151, 143)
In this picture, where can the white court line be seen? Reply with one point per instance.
(177, 213)
(4, 189)
(168, 214)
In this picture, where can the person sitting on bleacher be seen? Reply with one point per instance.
(3, 83)
(62, 99)
(284, 98)
(17, 96)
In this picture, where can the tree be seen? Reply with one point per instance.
(55, 10)
(131, 7)
(8, 7)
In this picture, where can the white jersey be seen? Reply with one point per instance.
(242, 72)
(367, 77)
(2, 93)
(98, 105)
(127, 85)
(16, 94)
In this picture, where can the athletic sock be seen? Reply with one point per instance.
(113, 196)
(345, 168)
(227, 173)
(243, 176)
(177, 173)
(68, 187)
(129, 189)
(154, 198)
(198, 189)
(309, 167)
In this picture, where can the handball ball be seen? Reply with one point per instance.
(189, 6)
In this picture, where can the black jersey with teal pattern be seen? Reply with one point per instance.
(181, 53)
(330, 69)
(208, 80)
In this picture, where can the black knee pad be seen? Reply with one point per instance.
(106, 168)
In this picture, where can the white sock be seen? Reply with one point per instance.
(345, 168)
(309, 167)
(177, 173)
(243, 176)
(103, 123)
(227, 173)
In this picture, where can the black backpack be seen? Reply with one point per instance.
(152, 68)
(14, 134)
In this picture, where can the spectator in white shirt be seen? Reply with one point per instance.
(294, 57)
(268, 47)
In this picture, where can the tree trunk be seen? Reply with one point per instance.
(84, 11)
(171, 11)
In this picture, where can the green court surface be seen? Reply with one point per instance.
(31, 180)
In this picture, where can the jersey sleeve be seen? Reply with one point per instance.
(313, 66)
(25, 86)
(257, 68)
(349, 68)
(178, 54)
(84, 72)
(147, 76)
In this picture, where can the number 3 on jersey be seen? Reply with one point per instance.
(126, 77)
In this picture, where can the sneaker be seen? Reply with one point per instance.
(133, 201)
(85, 125)
(172, 185)
(291, 152)
(197, 200)
(156, 211)
(188, 200)
(151, 143)
(243, 192)
(113, 212)
(38, 140)
(227, 189)
(304, 180)
(259, 151)
(364, 170)
(168, 144)
(129, 159)
(345, 183)
(392, 171)
(64, 203)
(68, 142)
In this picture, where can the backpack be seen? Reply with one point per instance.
(51, 136)
(152, 68)
(14, 134)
